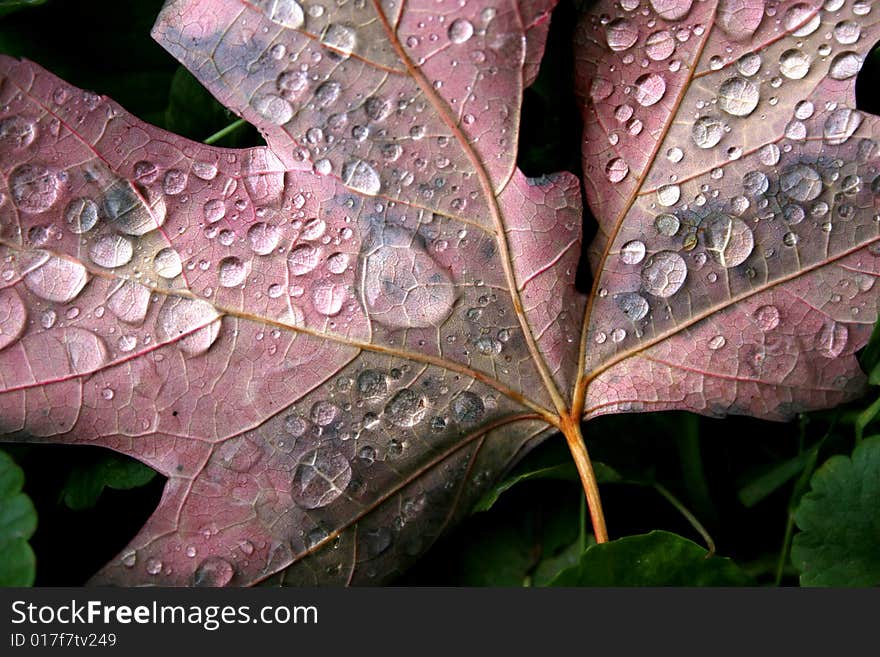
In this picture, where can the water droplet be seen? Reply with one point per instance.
(668, 195)
(794, 64)
(672, 10)
(320, 477)
(324, 413)
(81, 215)
(793, 214)
(154, 566)
(739, 18)
(17, 132)
(406, 408)
(633, 305)
(57, 280)
(125, 206)
(755, 183)
(728, 239)
(13, 317)
(337, 263)
(800, 183)
(404, 286)
(621, 34)
(840, 125)
(328, 297)
(341, 38)
(801, 19)
(34, 188)
(274, 109)
(303, 259)
(327, 93)
(129, 559)
(831, 339)
(667, 224)
(232, 272)
(616, 170)
(707, 131)
(130, 302)
(659, 45)
(467, 408)
(738, 97)
(204, 170)
(845, 65)
(111, 251)
(717, 342)
(167, 264)
(847, 32)
(286, 13)
(650, 88)
(767, 318)
(632, 252)
(174, 181)
(790, 239)
(361, 177)
(769, 155)
(664, 273)
(749, 64)
(214, 210)
(193, 323)
(372, 384)
(460, 30)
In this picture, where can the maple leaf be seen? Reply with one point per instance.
(331, 345)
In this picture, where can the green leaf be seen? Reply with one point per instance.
(85, 483)
(18, 521)
(839, 519)
(658, 558)
(563, 471)
(9, 6)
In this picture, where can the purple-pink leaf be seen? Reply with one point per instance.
(331, 345)
(736, 189)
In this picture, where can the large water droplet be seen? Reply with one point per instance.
(326, 94)
(616, 170)
(34, 188)
(800, 183)
(672, 10)
(17, 132)
(13, 317)
(213, 571)
(232, 272)
(81, 215)
(125, 206)
(847, 32)
(621, 34)
(274, 109)
(404, 286)
(840, 125)
(286, 13)
(794, 64)
(321, 476)
(632, 252)
(664, 273)
(767, 318)
(328, 297)
(739, 18)
(111, 251)
(801, 19)
(303, 259)
(738, 96)
(406, 408)
(831, 339)
(263, 238)
(730, 240)
(649, 89)
(193, 323)
(167, 264)
(467, 408)
(707, 131)
(668, 195)
(361, 177)
(57, 280)
(845, 65)
(633, 305)
(660, 45)
(341, 38)
(130, 302)
(460, 30)
(372, 384)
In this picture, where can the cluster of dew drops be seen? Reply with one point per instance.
(726, 236)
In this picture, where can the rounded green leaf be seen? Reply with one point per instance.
(839, 519)
(18, 520)
(658, 558)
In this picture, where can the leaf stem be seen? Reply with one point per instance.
(690, 517)
(232, 127)
(572, 430)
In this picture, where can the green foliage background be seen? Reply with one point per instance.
(673, 483)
